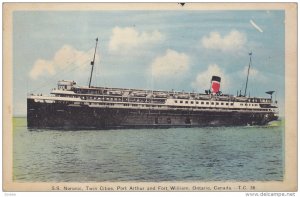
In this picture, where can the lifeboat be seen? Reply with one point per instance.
(139, 94)
(160, 95)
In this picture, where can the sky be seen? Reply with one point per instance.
(161, 50)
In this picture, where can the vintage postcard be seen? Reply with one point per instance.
(150, 97)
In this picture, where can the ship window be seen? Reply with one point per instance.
(241, 104)
(192, 102)
(212, 103)
(246, 104)
(231, 104)
(186, 102)
(222, 103)
(197, 102)
(207, 103)
(169, 120)
(175, 101)
(181, 101)
(202, 103)
(187, 121)
(226, 103)
(217, 103)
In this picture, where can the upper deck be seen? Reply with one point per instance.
(70, 88)
(102, 97)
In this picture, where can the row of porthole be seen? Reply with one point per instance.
(169, 121)
(212, 103)
(135, 105)
(202, 103)
(241, 104)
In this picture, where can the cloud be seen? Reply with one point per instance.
(170, 64)
(231, 42)
(66, 57)
(41, 67)
(203, 79)
(256, 26)
(254, 74)
(127, 38)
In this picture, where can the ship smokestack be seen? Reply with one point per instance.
(215, 84)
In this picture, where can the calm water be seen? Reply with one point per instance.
(185, 154)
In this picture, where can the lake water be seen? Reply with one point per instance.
(183, 154)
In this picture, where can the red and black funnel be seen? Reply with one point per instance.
(215, 84)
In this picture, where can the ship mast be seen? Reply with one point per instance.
(92, 63)
(250, 54)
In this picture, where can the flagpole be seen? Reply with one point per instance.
(248, 74)
(92, 63)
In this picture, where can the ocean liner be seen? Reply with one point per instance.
(73, 106)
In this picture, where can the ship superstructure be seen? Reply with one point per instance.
(73, 106)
